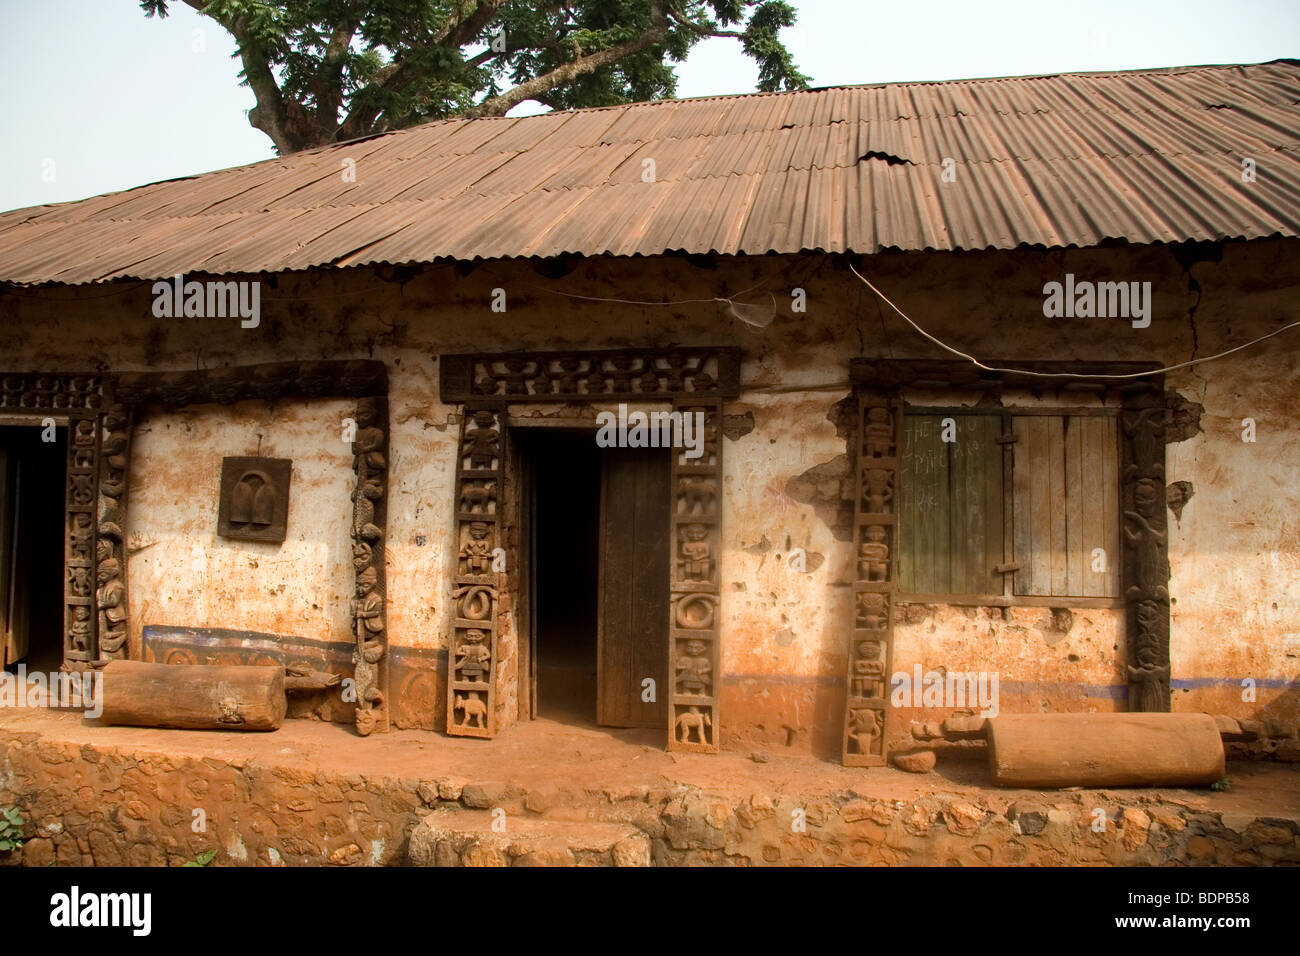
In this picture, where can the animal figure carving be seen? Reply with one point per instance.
(477, 497)
(693, 722)
(696, 494)
(473, 709)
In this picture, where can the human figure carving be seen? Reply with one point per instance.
(878, 433)
(868, 670)
(80, 629)
(482, 443)
(515, 376)
(473, 658)
(111, 598)
(864, 728)
(369, 442)
(363, 556)
(565, 382)
(694, 670)
(879, 491)
(1146, 534)
(873, 555)
(873, 612)
(476, 553)
(697, 563)
(368, 614)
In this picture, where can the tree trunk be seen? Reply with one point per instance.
(193, 696)
(1104, 750)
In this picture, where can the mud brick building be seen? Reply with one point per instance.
(389, 471)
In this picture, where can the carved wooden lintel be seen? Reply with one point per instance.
(614, 375)
(275, 380)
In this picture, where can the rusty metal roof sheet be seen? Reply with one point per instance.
(1067, 160)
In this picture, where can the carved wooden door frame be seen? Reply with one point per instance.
(92, 490)
(101, 411)
(692, 380)
(877, 384)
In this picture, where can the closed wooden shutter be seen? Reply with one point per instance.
(951, 505)
(1066, 506)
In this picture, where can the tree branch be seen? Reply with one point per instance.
(270, 114)
(529, 89)
(329, 79)
(467, 22)
(699, 28)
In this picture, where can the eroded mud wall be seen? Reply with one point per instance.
(1234, 544)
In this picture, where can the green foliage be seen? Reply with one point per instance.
(1221, 785)
(329, 70)
(11, 829)
(203, 859)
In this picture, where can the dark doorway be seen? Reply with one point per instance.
(565, 470)
(32, 479)
(596, 577)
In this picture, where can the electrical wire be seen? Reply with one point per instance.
(1021, 371)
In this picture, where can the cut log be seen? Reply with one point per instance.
(193, 696)
(1104, 750)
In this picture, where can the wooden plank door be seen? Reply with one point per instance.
(632, 613)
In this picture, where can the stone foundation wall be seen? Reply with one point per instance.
(109, 806)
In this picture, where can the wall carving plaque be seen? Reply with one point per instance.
(254, 502)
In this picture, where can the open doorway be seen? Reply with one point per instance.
(565, 532)
(596, 524)
(32, 481)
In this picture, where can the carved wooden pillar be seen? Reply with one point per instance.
(81, 621)
(370, 511)
(472, 643)
(875, 560)
(694, 658)
(114, 462)
(1145, 544)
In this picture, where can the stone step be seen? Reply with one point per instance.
(452, 837)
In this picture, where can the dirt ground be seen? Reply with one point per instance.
(599, 760)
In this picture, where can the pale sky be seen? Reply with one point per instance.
(97, 98)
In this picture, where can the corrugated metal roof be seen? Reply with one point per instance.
(1068, 160)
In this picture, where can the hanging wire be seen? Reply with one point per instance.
(1021, 371)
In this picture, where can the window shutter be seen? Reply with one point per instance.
(950, 506)
(1066, 506)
